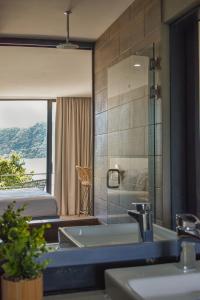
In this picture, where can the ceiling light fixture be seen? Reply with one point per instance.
(137, 65)
(67, 44)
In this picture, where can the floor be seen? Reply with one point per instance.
(77, 217)
(94, 295)
(51, 234)
(65, 218)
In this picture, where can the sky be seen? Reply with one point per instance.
(22, 114)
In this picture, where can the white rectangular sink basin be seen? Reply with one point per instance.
(111, 234)
(100, 235)
(167, 286)
(155, 282)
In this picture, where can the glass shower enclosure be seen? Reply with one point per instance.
(134, 136)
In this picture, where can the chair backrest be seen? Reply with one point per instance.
(84, 175)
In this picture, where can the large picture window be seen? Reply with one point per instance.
(26, 154)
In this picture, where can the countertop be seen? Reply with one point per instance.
(94, 295)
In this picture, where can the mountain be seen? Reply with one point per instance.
(30, 142)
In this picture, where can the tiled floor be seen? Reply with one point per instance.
(96, 295)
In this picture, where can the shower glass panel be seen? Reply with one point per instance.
(131, 135)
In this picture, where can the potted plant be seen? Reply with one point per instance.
(21, 247)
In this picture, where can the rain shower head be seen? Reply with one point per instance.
(67, 44)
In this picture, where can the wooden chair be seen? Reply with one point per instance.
(85, 178)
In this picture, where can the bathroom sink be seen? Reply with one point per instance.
(111, 234)
(166, 286)
(99, 235)
(163, 282)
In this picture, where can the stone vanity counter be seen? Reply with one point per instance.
(83, 269)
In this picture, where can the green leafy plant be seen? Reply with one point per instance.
(21, 247)
(12, 171)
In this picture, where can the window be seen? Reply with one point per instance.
(26, 143)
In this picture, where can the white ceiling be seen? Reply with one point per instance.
(44, 73)
(47, 73)
(89, 18)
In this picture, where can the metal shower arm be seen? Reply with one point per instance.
(67, 13)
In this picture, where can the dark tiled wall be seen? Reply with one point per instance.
(137, 28)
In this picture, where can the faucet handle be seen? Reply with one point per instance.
(187, 221)
(142, 207)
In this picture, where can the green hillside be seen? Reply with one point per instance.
(30, 142)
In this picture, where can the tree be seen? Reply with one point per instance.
(31, 142)
(13, 171)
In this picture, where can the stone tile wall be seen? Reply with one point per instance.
(120, 137)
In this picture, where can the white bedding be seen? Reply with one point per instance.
(39, 203)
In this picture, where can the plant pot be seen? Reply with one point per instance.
(28, 289)
(1, 271)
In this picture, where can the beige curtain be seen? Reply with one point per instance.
(73, 147)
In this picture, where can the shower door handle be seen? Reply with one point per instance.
(113, 178)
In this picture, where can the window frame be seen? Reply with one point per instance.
(184, 115)
(49, 162)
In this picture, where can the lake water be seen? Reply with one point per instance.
(38, 165)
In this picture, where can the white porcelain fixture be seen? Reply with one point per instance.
(163, 282)
(112, 234)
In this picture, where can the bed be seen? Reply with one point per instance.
(40, 204)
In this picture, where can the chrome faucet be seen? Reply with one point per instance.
(187, 225)
(143, 215)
